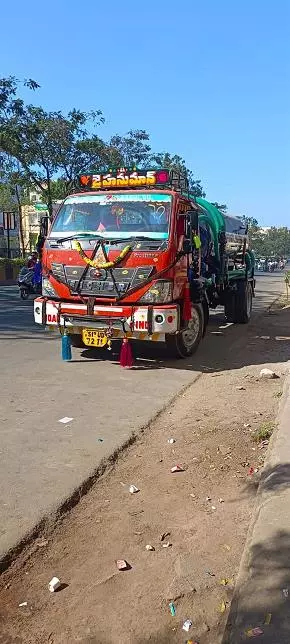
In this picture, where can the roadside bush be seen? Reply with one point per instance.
(18, 261)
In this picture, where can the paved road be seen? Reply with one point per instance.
(41, 460)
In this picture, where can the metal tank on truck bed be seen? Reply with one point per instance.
(227, 262)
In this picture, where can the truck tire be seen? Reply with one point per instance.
(76, 340)
(243, 302)
(185, 343)
(238, 304)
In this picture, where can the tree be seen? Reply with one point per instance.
(251, 222)
(275, 241)
(47, 144)
(50, 149)
(221, 207)
(132, 149)
(175, 162)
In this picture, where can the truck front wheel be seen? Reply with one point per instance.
(185, 343)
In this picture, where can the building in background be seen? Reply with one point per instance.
(9, 234)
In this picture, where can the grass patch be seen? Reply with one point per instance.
(264, 432)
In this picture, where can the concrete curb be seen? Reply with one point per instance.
(265, 565)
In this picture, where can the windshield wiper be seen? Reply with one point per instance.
(79, 236)
(110, 240)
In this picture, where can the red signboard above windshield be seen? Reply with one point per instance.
(124, 178)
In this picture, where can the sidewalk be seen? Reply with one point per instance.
(263, 585)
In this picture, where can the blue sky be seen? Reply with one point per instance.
(208, 80)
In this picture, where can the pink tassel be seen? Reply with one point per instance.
(126, 357)
(186, 310)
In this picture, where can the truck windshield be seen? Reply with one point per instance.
(115, 215)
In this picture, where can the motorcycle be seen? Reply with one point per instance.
(27, 283)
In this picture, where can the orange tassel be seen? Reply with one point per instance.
(186, 311)
(126, 357)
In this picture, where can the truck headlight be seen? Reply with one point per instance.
(47, 288)
(159, 292)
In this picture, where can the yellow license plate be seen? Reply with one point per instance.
(93, 338)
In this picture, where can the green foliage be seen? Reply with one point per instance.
(250, 221)
(7, 201)
(45, 144)
(274, 242)
(175, 162)
(264, 432)
(18, 261)
(221, 207)
(47, 150)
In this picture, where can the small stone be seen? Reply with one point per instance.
(149, 547)
(122, 564)
(268, 374)
(133, 489)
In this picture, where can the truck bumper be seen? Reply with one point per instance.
(140, 322)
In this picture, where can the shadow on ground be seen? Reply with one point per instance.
(266, 340)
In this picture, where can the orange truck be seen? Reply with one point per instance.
(133, 256)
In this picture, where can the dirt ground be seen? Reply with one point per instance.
(204, 512)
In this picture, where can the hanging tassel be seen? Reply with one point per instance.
(186, 311)
(126, 357)
(66, 347)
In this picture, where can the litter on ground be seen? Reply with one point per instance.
(177, 468)
(54, 584)
(254, 632)
(187, 625)
(172, 609)
(133, 489)
(65, 420)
